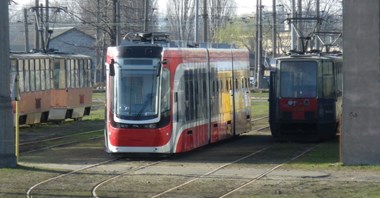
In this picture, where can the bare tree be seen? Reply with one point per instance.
(181, 18)
(220, 12)
(331, 20)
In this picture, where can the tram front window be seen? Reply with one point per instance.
(298, 79)
(137, 90)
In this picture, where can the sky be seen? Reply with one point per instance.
(249, 6)
(243, 6)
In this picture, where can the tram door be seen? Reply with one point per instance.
(233, 94)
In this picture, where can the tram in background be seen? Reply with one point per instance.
(52, 87)
(305, 99)
(163, 99)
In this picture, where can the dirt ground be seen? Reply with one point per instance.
(289, 180)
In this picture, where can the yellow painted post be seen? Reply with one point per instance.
(17, 130)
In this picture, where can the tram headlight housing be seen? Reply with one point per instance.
(150, 126)
(136, 126)
(122, 125)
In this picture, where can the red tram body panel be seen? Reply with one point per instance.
(305, 99)
(172, 100)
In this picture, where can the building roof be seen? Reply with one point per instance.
(17, 35)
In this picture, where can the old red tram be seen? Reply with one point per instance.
(52, 86)
(305, 99)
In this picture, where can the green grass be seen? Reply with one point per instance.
(260, 95)
(259, 108)
(326, 156)
(95, 115)
(97, 110)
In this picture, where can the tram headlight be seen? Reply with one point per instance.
(150, 126)
(122, 125)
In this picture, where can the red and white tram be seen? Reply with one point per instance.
(171, 100)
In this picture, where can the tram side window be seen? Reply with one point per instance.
(72, 74)
(32, 75)
(327, 79)
(76, 74)
(85, 73)
(204, 87)
(14, 88)
(189, 95)
(196, 95)
(42, 70)
(88, 72)
(38, 74)
(59, 74)
(21, 74)
(68, 73)
(27, 75)
(80, 73)
(191, 101)
(165, 92)
(47, 74)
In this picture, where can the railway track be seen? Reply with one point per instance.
(30, 190)
(190, 184)
(195, 168)
(43, 143)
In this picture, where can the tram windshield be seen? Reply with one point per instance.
(298, 79)
(136, 90)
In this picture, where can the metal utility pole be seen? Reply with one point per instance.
(259, 49)
(47, 23)
(41, 30)
(97, 60)
(117, 13)
(316, 40)
(146, 19)
(196, 29)
(114, 23)
(292, 31)
(299, 25)
(257, 42)
(26, 30)
(36, 28)
(7, 133)
(274, 32)
(205, 17)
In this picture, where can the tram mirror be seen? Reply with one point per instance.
(112, 67)
(158, 68)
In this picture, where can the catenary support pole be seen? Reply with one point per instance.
(7, 136)
(274, 30)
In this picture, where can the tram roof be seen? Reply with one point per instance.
(310, 57)
(46, 55)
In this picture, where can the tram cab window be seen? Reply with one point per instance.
(137, 89)
(298, 79)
